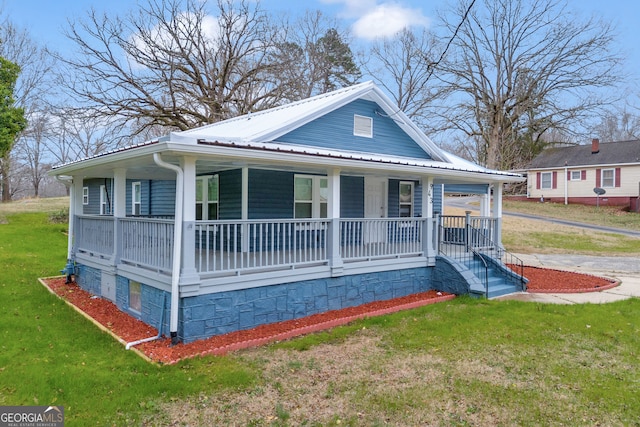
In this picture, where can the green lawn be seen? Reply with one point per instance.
(50, 355)
(464, 362)
(603, 215)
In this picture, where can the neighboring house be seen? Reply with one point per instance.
(321, 204)
(570, 174)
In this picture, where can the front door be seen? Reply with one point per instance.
(375, 206)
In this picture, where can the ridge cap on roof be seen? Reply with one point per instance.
(360, 86)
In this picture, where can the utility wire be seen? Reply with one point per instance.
(433, 65)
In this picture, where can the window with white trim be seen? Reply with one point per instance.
(207, 198)
(135, 296)
(406, 199)
(85, 195)
(608, 178)
(311, 194)
(105, 200)
(546, 180)
(576, 175)
(362, 126)
(136, 198)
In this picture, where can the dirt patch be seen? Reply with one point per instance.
(127, 329)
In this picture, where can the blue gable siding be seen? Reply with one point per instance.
(230, 194)
(270, 194)
(351, 196)
(335, 131)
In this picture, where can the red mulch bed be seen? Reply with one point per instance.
(544, 280)
(127, 329)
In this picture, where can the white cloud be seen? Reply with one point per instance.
(374, 20)
(386, 20)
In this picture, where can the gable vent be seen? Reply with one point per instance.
(363, 126)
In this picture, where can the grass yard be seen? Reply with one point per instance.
(604, 215)
(464, 362)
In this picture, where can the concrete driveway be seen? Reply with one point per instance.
(625, 269)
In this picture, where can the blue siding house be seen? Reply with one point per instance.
(322, 204)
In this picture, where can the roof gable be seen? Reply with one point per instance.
(622, 152)
(272, 124)
(336, 130)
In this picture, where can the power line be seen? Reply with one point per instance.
(433, 65)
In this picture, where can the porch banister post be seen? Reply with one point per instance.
(427, 216)
(333, 208)
(497, 213)
(119, 210)
(188, 272)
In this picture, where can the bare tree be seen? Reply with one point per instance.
(32, 87)
(31, 152)
(173, 65)
(519, 68)
(404, 65)
(618, 125)
(78, 134)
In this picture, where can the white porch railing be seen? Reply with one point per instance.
(363, 239)
(474, 232)
(95, 234)
(240, 246)
(147, 242)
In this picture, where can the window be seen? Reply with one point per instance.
(576, 175)
(546, 181)
(608, 178)
(136, 198)
(105, 200)
(310, 196)
(363, 126)
(406, 199)
(207, 193)
(85, 195)
(135, 296)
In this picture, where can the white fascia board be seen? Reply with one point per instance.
(72, 168)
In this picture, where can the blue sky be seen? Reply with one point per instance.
(45, 19)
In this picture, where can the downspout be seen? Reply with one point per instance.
(157, 337)
(177, 246)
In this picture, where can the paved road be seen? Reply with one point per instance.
(464, 203)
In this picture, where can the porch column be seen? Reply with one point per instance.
(244, 209)
(428, 229)
(119, 210)
(75, 208)
(485, 203)
(188, 272)
(497, 213)
(333, 212)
